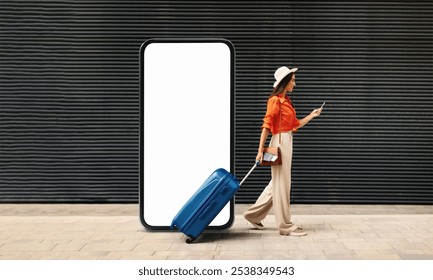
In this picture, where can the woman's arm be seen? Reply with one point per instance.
(263, 137)
(307, 119)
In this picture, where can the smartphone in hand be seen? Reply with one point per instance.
(321, 107)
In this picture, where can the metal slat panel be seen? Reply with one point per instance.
(372, 63)
(69, 94)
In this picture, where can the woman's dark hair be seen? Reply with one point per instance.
(282, 85)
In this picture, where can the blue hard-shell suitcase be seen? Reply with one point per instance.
(205, 204)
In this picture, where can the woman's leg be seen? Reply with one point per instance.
(281, 177)
(257, 212)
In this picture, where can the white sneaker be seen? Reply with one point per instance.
(258, 225)
(297, 232)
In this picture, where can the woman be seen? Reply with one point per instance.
(277, 193)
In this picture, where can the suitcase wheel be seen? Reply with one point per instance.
(190, 240)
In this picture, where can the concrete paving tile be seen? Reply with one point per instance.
(368, 245)
(234, 241)
(77, 235)
(233, 258)
(104, 241)
(101, 236)
(350, 240)
(156, 236)
(317, 257)
(193, 247)
(424, 235)
(91, 255)
(242, 247)
(5, 235)
(17, 235)
(56, 238)
(416, 239)
(188, 258)
(152, 246)
(202, 239)
(408, 252)
(28, 246)
(171, 253)
(367, 252)
(122, 236)
(390, 241)
(421, 232)
(343, 233)
(283, 257)
(367, 235)
(425, 225)
(319, 227)
(276, 238)
(411, 252)
(415, 257)
(359, 235)
(310, 238)
(250, 234)
(134, 255)
(23, 241)
(330, 252)
(341, 257)
(377, 257)
(256, 253)
(409, 246)
(208, 254)
(231, 253)
(351, 226)
(100, 245)
(13, 255)
(381, 219)
(274, 246)
(292, 246)
(74, 245)
(242, 235)
(390, 235)
(324, 240)
(428, 252)
(322, 234)
(44, 255)
(389, 227)
(387, 251)
(321, 246)
(307, 253)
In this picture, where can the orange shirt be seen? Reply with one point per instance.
(271, 120)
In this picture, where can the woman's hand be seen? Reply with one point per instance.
(316, 112)
(259, 157)
(307, 119)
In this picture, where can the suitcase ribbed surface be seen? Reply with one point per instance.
(206, 203)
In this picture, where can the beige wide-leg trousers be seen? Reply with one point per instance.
(277, 192)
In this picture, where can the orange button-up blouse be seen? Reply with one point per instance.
(289, 122)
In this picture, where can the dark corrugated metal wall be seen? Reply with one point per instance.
(69, 94)
(373, 64)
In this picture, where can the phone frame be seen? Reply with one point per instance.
(145, 224)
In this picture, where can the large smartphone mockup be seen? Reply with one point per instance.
(186, 124)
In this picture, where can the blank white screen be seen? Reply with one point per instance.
(186, 124)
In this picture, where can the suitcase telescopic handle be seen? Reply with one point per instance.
(249, 172)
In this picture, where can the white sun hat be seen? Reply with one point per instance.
(281, 72)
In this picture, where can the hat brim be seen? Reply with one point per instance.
(293, 70)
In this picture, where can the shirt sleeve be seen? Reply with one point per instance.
(271, 111)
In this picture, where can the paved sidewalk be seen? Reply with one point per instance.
(372, 232)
